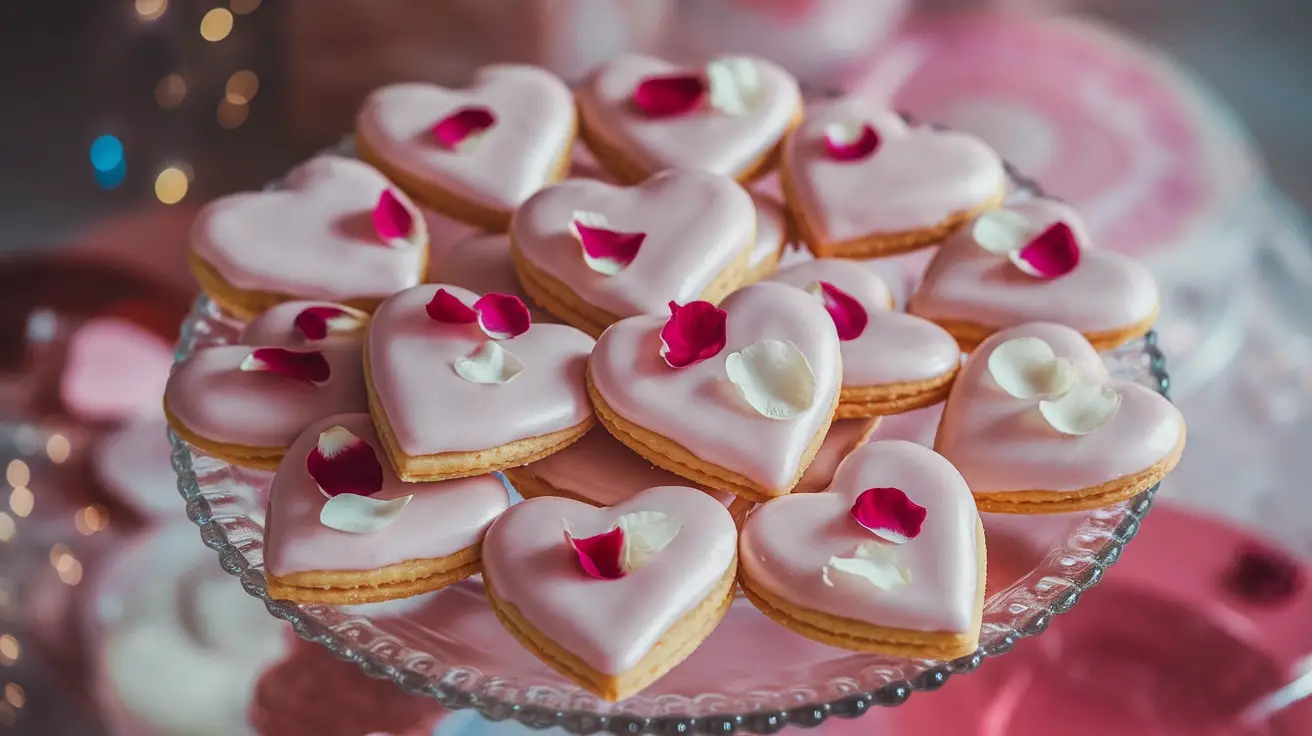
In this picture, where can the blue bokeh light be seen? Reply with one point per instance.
(107, 155)
(111, 178)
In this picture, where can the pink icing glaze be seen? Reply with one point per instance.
(431, 409)
(517, 156)
(481, 264)
(1106, 291)
(696, 225)
(443, 234)
(920, 176)
(845, 435)
(277, 327)
(442, 518)
(704, 139)
(699, 408)
(771, 229)
(787, 542)
(313, 239)
(895, 347)
(1000, 443)
(609, 624)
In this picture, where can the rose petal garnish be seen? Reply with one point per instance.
(447, 308)
(1026, 368)
(645, 534)
(1088, 405)
(668, 96)
(850, 318)
(889, 514)
(600, 556)
(605, 249)
(850, 140)
(463, 128)
(733, 84)
(343, 463)
(317, 323)
(360, 514)
(773, 377)
(393, 220)
(502, 316)
(307, 365)
(491, 364)
(1055, 252)
(694, 332)
(1001, 231)
(873, 563)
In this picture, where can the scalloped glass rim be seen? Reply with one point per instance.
(231, 523)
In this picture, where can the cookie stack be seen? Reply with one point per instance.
(683, 418)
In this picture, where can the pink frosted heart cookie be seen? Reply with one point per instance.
(481, 263)
(1036, 425)
(245, 404)
(593, 253)
(337, 231)
(640, 115)
(343, 529)
(463, 385)
(473, 154)
(1032, 261)
(892, 362)
(860, 182)
(737, 399)
(612, 598)
(843, 437)
(771, 237)
(889, 560)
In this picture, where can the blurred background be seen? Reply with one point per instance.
(1178, 126)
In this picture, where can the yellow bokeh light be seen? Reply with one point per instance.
(14, 695)
(21, 501)
(58, 448)
(9, 649)
(71, 573)
(216, 25)
(231, 115)
(242, 87)
(171, 91)
(151, 9)
(244, 7)
(57, 554)
(91, 519)
(171, 185)
(18, 474)
(7, 527)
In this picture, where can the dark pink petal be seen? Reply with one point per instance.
(462, 125)
(1055, 252)
(663, 97)
(849, 316)
(694, 332)
(605, 250)
(393, 221)
(601, 557)
(447, 308)
(502, 316)
(315, 323)
(889, 514)
(309, 366)
(343, 463)
(841, 145)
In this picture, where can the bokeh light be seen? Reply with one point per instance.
(171, 91)
(242, 87)
(91, 519)
(216, 25)
(14, 694)
(21, 501)
(232, 115)
(58, 448)
(7, 527)
(9, 649)
(244, 7)
(171, 185)
(151, 9)
(108, 161)
(17, 473)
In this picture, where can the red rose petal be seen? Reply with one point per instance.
(308, 366)
(849, 316)
(315, 323)
(343, 463)
(600, 556)
(502, 316)
(889, 514)
(663, 97)
(1055, 252)
(607, 251)
(468, 122)
(852, 149)
(447, 308)
(393, 221)
(693, 333)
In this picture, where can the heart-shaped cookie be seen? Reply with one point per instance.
(1015, 458)
(474, 154)
(695, 233)
(697, 420)
(844, 436)
(633, 141)
(481, 263)
(432, 542)
(889, 560)
(861, 183)
(249, 417)
(612, 635)
(972, 292)
(892, 362)
(312, 239)
(442, 415)
(771, 237)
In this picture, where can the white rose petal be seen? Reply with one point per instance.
(873, 563)
(1027, 368)
(734, 84)
(356, 514)
(645, 534)
(773, 377)
(491, 363)
(1002, 231)
(1088, 405)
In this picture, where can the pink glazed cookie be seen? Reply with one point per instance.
(747, 415)
(844, 436)
(473, 154)
(1019, 456)
(244, 412)
(690, 235)
(317, 237)
(641, 115)
(862, 183)
(314, 553)
(889, 560)
(612, 598)
(481, 263)
(892, 362)
(451, 400)
(973, 292)
(771, 237)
